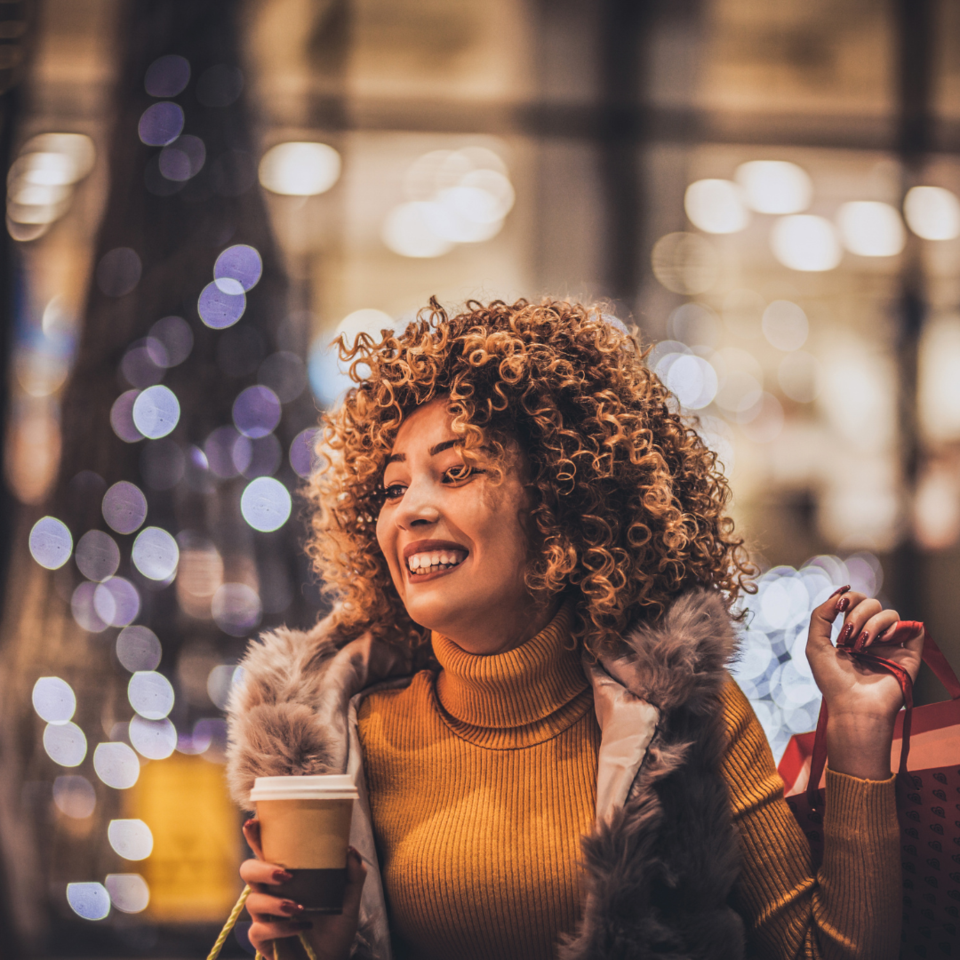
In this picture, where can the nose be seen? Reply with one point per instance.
(417, 509)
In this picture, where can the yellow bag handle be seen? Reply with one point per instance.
(231, 923)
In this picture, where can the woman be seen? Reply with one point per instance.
(534, 572)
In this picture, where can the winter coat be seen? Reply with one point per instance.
(662, 859)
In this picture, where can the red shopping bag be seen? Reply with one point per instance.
(926, 751)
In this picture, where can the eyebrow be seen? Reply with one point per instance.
(433, 451)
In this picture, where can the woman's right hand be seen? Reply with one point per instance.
(275, 918)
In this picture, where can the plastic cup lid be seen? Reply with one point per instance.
(318, 787)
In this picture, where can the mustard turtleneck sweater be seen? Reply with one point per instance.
(482, 780)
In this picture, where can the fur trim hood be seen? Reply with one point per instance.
(662, 859)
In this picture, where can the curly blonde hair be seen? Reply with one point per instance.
(627, 506)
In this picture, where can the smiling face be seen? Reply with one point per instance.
(453, 539)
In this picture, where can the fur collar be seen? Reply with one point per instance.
(663, 858)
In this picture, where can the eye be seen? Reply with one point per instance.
(461, 473)
(394, 491)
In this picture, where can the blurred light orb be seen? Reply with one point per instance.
(124, 507)
(65, 744)
(220, 309)
(693, 381)
(463, 215)
(121, 417)
(236, 608)
(775, 186)
(871, 229)
(50, 543)
(150, 694)
(221, 681)
(183, 159)
(799, 376)
(266, 504)
(715, 206)
(116, 765)
(116, 602)
(89, 900)
(138, 649)
(285, 374)
(219, 85)
(54, 700)
(161, 123)
(932, 213)
(240, 264)
(409, 231)
(138, 366)
(131, 839)
(695, 324)
(685, 263)
(83, 610)
(785, 325)
(303, 456)
(219, 449)
(256, 411)
(129, 892)
(300, 168)
(739, 391)
(153, 739)
(176, 337)
(155, 553)
(806, 243)
(156, 411)
(257, 458)
(74, 796)
(167, 76)
(55, 159)
(366, 320)
(118, 271)
(98, 555)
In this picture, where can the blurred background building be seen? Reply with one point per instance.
(201, 196)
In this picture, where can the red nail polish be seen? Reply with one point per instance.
(845, 635)
(282, 876)
(862, 641)
(843, 589)
(288, 906)
(842, 604)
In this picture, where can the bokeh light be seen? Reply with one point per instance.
(155, 553)
(221, 681)
(118, 271)
(150, 694)
(129, 892)
(257, 458)
(175, 335)
(299, 168)
(89, 900)
(303, 456)
(97, 555)
(256, 411)
(775, 186)
(161, 123)
(167, 76)
(65, 744)
(238, 269)
(54, 700)
(50, 543)
(139, 366)
(131, 839)
(153, 739)
(124, 507)
(218, 448)
(685, 263)
(83, 610)
(695, 324)
(236, 608)
(932, 213)
(805, 242)
(116, 601)
(183, 159)
(871, 229)
(74, 796)
(715, 206)
(285, 374)
(156, 411)
(408, 231)
(785, 325)
(219, 309)
(691, 379)
(116, 765)
(121, 417)
(138, 648)
(266, 504)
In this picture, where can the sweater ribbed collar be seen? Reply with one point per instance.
(522, 686)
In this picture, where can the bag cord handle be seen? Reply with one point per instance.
(231, 922)
(932, 656)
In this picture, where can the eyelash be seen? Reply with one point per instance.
(469, 474)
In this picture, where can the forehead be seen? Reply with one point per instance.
(426, 425)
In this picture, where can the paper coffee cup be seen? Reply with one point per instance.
(305, 828)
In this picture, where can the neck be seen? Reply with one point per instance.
(505, 630)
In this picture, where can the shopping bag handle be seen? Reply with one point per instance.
(932, 657)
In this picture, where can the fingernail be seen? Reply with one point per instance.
(862, 641)
(248, 822)
(839, 590)
(845, 634)
(842, 604)
(281, 876)
(288, 906)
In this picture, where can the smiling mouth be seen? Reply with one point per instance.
(434, 561)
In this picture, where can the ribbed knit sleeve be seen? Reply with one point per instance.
(851, 908)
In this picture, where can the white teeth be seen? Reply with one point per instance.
(426, 562)
(414, 561)
(435, 559)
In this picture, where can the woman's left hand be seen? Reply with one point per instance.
(862, 702)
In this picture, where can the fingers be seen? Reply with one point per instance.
(356, 874)
(821, 623)
(251, 833)
(256, 871)
(904, 633)
(863, 627)
(264, 906)
(262, 932)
